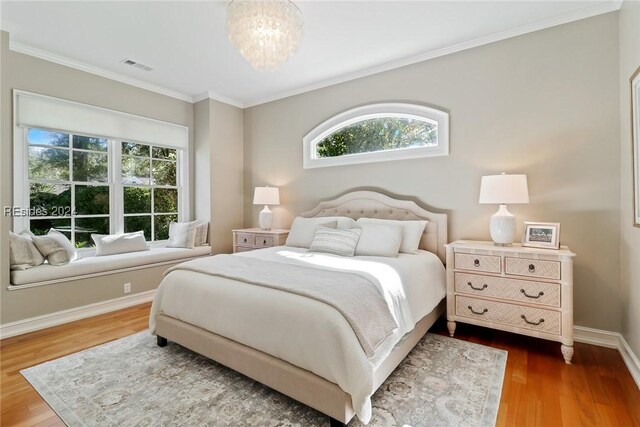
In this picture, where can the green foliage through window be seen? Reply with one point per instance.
(70, 186)
(378, 134)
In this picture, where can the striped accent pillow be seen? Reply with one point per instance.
(341, 242)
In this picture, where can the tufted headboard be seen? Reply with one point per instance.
(369, 204)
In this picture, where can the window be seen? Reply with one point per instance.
(150, 189)
(68, 184)
(378, 132)
(84, 182)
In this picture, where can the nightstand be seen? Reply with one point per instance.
(524, 290)
(248, 239)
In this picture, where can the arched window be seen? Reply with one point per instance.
(378, 132)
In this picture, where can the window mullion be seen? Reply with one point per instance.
(116, 210)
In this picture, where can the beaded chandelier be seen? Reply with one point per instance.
(266, 32)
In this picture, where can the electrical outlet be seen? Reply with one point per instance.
(127, 288)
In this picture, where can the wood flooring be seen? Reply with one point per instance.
(539, 388)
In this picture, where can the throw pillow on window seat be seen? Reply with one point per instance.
(56, 248)
(111, 244)
(202, 231)
(182, 234)
(23, 253)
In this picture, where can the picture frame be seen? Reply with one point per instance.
(635, 143)
(541, 235)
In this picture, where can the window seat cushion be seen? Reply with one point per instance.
(98, 265)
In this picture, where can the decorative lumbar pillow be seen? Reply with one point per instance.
(303, 230)
(202, 233)
(111, 244)
(379, 239)
(56, 248)
(341, 242)
(23, 253)
(411, 232)
(182, 234)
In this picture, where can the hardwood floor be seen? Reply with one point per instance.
(539, 389)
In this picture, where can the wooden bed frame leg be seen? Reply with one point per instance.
(162, 341)
(335, 423)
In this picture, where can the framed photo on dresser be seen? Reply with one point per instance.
(541, 235)
(635, 137)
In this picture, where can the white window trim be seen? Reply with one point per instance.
(21, 162)
(310, 140)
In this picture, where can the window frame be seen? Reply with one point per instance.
(71, 181)
(21, 185)
(371, 111)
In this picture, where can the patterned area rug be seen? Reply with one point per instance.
(132, 382)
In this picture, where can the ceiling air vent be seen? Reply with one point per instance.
(136, 64)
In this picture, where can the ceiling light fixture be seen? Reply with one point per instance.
(266, 32)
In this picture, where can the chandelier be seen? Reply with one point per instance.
(266, 32)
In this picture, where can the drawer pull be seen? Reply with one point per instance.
(245, 240)
(532, 268)
(478, 312)
(264, 242)
(477, 289)
(476, 262)
(531, 296)
(531, 323)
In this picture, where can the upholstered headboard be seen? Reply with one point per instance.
(369, 204)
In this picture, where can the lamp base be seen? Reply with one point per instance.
(503, 227)
(266, 218)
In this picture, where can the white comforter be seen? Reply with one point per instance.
(303, 331)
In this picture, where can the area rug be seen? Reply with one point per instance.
(133, 382)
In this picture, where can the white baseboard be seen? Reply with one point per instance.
(630, 359)
(58, 318)
(612, 340)
(596, 337)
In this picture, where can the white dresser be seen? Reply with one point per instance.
(249, 239)
(528, 291)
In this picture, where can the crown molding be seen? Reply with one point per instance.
(217, 97)
(78, 65)
(576, 15)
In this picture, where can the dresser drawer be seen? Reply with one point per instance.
(511, 289)
(532, 268)
(244, 239)
(535, 319)
(244, 248)
(264, 241)
(486, 263)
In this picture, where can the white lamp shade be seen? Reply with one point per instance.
(266, 196)
(504, 189)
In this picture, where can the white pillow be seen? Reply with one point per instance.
(56, 248)
(111, 244)
(341, 242)
(182, 234)
(303, 230)
(411, 232)
(379, 239)
(23, 253)
(202, 233)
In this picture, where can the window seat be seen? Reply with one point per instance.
(90, 266)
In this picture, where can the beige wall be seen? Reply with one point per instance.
(629, 235)
(24, 72)
(227, 163)
(545, 104)
(219, 145)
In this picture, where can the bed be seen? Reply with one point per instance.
(299, 346)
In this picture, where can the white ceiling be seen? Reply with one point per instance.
(186, 44)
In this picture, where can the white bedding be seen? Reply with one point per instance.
(303, 331)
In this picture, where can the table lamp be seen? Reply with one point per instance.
(501, 190)
(266, 196)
